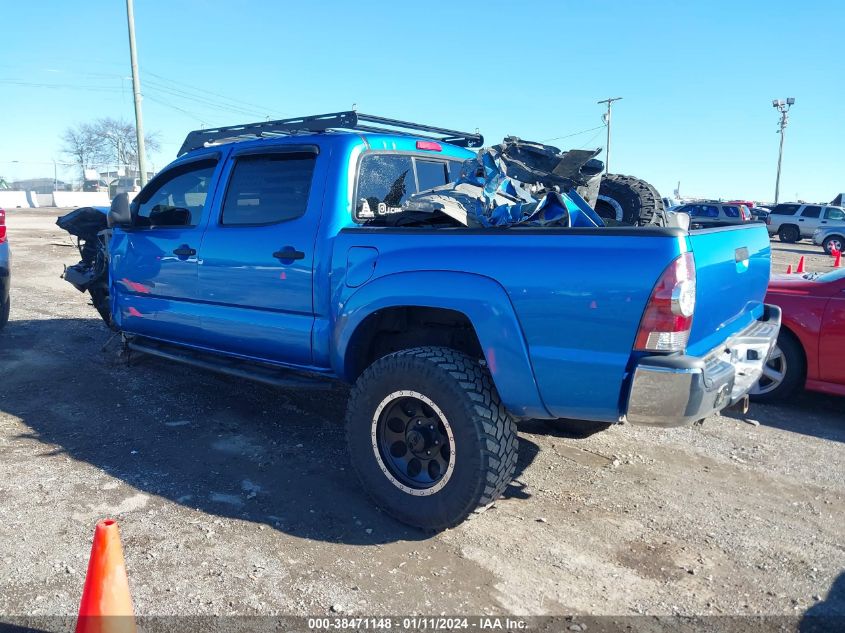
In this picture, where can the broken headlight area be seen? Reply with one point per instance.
(89, 226)
(514, 183)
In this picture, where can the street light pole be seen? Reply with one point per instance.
(136, 89)
(783, 107)
(606, 117)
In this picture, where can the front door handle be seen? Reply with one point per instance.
(184, 251)
(289, 253)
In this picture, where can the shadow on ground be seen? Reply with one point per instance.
(225, 446)
(806, 412)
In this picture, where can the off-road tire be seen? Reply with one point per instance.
(485, 434)
(795, 374)
(640, 203)
(5, 306)
(789, 234)
(826, 245)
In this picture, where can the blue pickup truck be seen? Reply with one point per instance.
(255, 254)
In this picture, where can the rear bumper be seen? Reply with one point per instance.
(677, 390)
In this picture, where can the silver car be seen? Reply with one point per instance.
(830, 238)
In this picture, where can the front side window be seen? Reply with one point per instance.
(268, 189)
(177, 197)
(832, 213)
(811, 212)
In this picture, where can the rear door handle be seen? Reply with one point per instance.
(184, 251)
(289, 253)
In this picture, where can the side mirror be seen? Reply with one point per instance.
(119, 213)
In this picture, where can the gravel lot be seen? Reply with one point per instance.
(236, 498)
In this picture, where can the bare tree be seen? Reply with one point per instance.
(119, 141)
(82, 145)
(104, 142)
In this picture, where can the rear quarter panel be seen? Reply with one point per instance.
(578, 295)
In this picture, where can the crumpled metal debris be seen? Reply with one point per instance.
(515, 183)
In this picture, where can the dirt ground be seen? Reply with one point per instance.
(237, 498)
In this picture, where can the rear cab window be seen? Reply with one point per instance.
(386, 180)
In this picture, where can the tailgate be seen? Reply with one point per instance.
(732, 267)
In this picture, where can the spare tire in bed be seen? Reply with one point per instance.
(629, 201)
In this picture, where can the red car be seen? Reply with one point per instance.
(810, 352)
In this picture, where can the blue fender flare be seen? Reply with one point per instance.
(481, 299)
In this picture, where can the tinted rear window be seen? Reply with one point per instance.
(385, 181)
(268, 189)
(731, 211)
(811, 212)
(785, 209)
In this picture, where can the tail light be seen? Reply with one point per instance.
(2, 226)
(667, 319)
(768, 219)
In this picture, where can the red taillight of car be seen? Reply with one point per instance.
(768, 219)
(430, 146)
(2, 226)
(667, 319)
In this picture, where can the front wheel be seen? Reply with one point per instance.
(833, 244)
(783, 372)
(428, 436)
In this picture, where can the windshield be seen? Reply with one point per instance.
(833, 275)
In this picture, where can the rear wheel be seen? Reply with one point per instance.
(789, 233)
(428, 436)
(783, 372)
(625, 200)
(833, 244)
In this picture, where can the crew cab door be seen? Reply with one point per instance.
(153, 263)
(257, 255)
(809, 220)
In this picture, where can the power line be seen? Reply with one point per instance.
(259, 108)
(557, 138)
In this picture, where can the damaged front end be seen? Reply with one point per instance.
(514, 183)
(90, 226)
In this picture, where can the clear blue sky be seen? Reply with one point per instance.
(697, 78)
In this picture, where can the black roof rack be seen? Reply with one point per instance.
(335, 122)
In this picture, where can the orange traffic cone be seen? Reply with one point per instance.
(789, 269)
(800, 268)
(106, 606)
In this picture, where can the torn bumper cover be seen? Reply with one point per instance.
(86, 223)
(517, 183)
